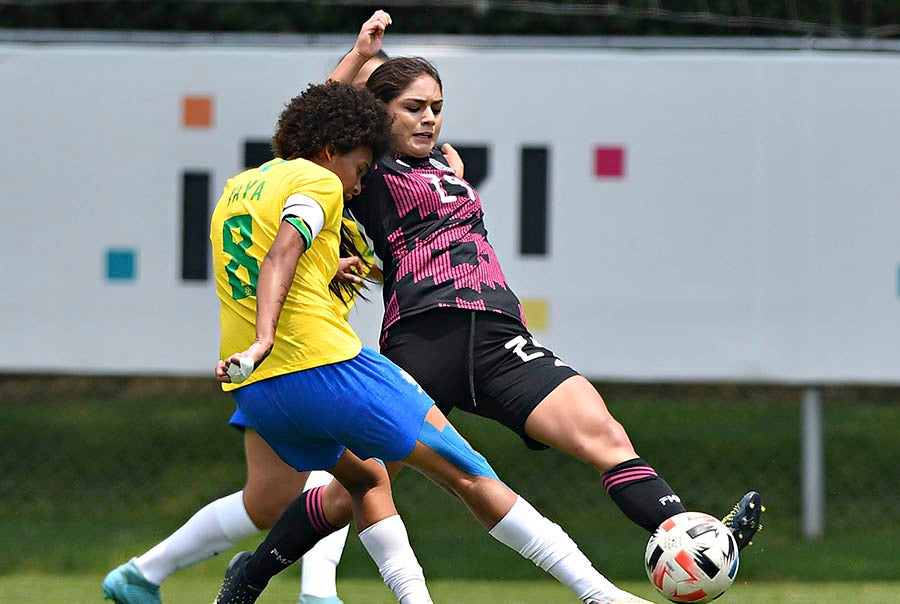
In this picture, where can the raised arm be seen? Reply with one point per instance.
(368, 43)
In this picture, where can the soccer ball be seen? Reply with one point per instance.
(692, 557)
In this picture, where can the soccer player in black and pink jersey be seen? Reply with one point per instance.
(452, 321)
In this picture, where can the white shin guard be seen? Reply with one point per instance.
(535, 537)
(215, 528)
(388, 544)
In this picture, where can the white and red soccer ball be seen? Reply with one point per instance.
(692, 557)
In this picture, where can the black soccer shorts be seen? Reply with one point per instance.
(481, 362)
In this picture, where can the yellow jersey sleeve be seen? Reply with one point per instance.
(311, 332)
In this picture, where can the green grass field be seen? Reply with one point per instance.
(92, 479)
(193, 588)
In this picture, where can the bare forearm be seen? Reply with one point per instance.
(275, 278)
(348, 67)
(367, 45)
(276, 275)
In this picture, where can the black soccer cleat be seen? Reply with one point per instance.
(235, 589)
(744, 518)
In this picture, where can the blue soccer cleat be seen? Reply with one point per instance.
(126, 585)
(308, 599)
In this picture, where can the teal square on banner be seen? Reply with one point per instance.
(121, 264)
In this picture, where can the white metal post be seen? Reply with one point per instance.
(813, 465)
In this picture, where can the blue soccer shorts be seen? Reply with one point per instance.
(366, 404)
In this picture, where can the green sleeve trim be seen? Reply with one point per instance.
(301, 227)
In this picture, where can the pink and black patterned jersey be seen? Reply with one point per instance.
(426, 227)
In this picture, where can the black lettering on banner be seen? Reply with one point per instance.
(195, 226)
(533, 203)
(257, 153)
(475, 161)
(195, 212)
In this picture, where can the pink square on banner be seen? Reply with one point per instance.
(609, 162)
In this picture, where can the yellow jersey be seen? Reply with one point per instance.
(312, 329)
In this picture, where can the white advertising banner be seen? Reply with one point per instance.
(664, 215)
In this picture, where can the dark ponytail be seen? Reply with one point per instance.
(342, 290)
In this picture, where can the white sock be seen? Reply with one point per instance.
(543, 542)
(213, 529)
(388, 545)
(319, 568)
(317, 478)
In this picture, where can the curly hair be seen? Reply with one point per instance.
(335, 114)
(341, 116)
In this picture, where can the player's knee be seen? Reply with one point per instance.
(601, 443)
(615, 435)
(363, 480)
(267, 494)
(264, 509)
(469, 487)
(338, 504)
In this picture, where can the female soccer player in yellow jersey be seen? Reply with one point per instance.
(270, 484)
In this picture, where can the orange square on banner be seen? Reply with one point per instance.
(197, 112)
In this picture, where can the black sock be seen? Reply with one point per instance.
(641, 494)
(298, 529)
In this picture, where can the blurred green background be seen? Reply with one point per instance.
(97, 470)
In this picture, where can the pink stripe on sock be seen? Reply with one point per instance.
(628, 475)
(316, 513)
